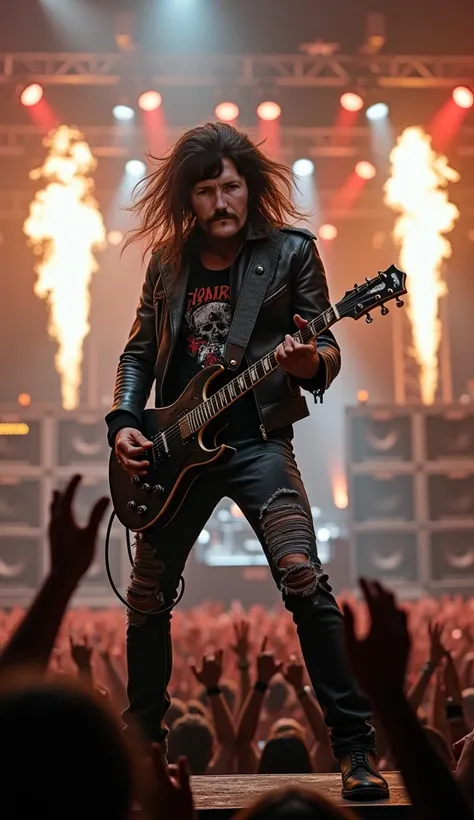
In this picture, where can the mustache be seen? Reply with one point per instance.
(222, 215)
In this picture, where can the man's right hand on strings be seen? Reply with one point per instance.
(130, 443)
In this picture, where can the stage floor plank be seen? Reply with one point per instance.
(221, 795)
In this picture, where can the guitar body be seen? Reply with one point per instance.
(175, 465)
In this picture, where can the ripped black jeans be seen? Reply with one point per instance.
(263, 479)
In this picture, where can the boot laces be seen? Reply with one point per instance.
(359, 758)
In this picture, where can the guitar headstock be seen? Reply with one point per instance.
(387, 285)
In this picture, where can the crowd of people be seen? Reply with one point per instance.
(63, 688)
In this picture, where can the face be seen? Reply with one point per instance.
(220, 204)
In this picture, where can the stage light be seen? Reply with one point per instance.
(365, 170)
(268, 111)
(463, 96)
(323, 534)
(31, 95)
(362, 396)
(135, 168)
(123, 113)
(150, 100)
(351, 101)
(377, 111)
(226, 111)
(204, 537)
(303, 167)
(327, 232)
(114, 237)
(24, 399)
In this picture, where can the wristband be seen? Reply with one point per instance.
(243, 665)
(213, 690)
(261, 686)
(453, 711)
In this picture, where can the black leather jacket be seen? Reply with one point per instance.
(298, 286)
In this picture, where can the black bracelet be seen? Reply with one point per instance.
(261, 686)
(453, 711)
(213, 690)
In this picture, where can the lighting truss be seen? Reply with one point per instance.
(292, 70)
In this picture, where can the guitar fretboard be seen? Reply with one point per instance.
(215, 404)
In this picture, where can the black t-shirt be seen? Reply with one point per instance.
(201, 342)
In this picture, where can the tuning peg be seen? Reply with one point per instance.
(384, 310)
(399, 302)
(355, 285)
(369, 319)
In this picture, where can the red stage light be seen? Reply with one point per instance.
(351, 101)
(268, 111)
(463, 96)
(31, 95)
(227, 111)
(150, 100)
(327, 232)
(365, 170)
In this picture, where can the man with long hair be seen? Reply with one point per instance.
(209, 210)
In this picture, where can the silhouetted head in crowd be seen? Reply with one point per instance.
(277, 695)
(229, 693)
(177, 710)
(293, 803)
(285, 754)
(285, 725)
(195, 707)
(64, 752)
(193, 737)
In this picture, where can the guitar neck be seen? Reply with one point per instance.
(245, 381)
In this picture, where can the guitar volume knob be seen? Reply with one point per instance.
(141, 510)
(158, 488)
(146, 487)
(135, 479)
(132, 505)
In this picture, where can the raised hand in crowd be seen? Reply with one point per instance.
(72, 550)
(379, 660)
(209, 675)
(81, 654)
(267, 666)
(322, 756)
(174, 798)
(211, 669)
(242, 650)
(436, 655)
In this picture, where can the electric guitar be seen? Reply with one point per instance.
(180, 451)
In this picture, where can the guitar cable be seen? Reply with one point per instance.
(132, 564)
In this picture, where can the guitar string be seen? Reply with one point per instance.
(174, 431)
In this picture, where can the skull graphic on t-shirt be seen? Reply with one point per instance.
(208, 326)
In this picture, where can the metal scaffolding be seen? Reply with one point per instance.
(113, 141)
(282, 70)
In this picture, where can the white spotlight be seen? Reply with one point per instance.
(323, 534)
(124, 113)
(303, 167)
(377, 111)
(135, 168)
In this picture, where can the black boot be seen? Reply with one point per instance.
(360, 778)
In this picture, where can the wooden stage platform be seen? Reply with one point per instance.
(219, 797)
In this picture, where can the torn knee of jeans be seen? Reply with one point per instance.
(289, 536)
(144, 593)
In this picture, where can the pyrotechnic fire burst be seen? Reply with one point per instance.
(416, 188)
(64, 227)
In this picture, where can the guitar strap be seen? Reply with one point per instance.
(259, 274)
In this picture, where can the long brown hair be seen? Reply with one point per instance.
(163, 205)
